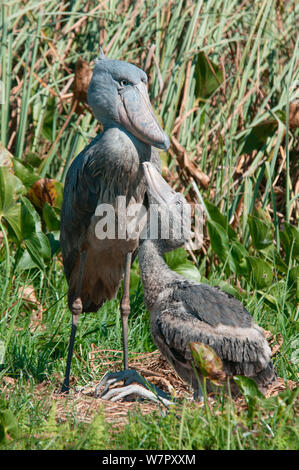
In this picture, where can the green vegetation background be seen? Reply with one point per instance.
(223, 79)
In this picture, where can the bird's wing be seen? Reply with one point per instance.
(80, 197)
(211, 305)
(202, 313)
(96, 174)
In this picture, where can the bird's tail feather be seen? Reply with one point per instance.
(266, 377)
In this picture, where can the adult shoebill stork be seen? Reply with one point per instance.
(184, 311)
(109, 167)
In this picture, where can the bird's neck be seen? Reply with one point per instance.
(155, 273)
(119, 164)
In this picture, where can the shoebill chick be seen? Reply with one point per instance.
(184, 311)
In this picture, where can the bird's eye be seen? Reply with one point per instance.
(124, 83)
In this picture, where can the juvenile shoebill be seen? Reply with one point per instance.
(183, 311)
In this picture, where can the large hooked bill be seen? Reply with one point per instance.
(137, 116)
(157, 184)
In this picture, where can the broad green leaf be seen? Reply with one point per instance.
(208, 362)
(39, 249)
(34, 159)
(228, 288)
(26, 262)
(54, 241)
(264, 215)
(20, 189)
(221, 219)
(45, 249)
(271, 254)
(261, 233)
(26, 175)
(30, 220)
(178, 261)
(294, 274)
(10, 185)
(188, 270)
(261, 272)
(219, 240)
(238, 255)
(59, 194)
(8, 424)
(36, 242)
(208, 76)
(175, 257)
(248, 387)
(51, 218)
(230, 252)
(292, 233)
(34, 249)
(13, 221)
(47, 129)
(294, 280)
(8, 192)
(289, 238)
(258, 135)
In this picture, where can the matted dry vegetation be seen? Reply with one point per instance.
(82, 403)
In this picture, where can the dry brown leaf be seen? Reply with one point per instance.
(187, 165)
(29, 297)
(36, 320)
(294, 114)
(9, 381)
(28, 294)
(237, 215)
(83, 75)
(275, 341)
(43, 191)
(6, 158)
(280, 386)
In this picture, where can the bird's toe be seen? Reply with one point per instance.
(134, 391)
(127, 376)
(133, 385)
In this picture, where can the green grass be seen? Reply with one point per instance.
(34, 356)
(221, 80)
(184, 428)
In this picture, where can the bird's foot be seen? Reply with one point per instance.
(127, 376)
(134, 384)
(135, 390)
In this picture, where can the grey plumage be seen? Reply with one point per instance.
(184, 311)
(110, 166)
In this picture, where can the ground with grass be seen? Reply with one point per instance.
(223, 79)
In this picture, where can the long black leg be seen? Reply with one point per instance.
(66, 383)
(76, 310)
(125, 308)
